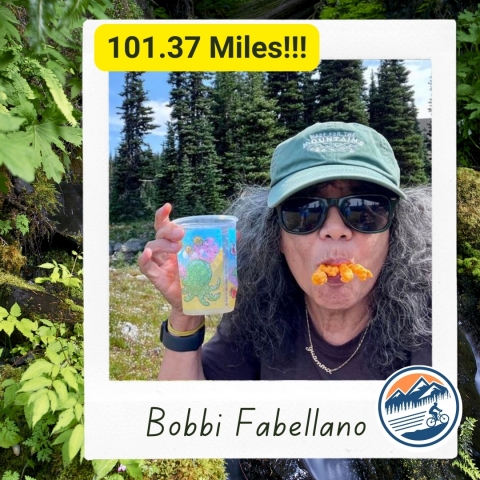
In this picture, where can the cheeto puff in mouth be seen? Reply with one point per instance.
(347, 272)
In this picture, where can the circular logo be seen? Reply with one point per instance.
(419, 406)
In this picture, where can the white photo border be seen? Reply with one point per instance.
(117, 413)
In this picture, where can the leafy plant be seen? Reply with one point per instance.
(180, 469)
(9, 434)
(32, 117)
(21, 224)
(50, 391)
(38, 82)
(61, 273)
(9, 321)
(103, 467)
(464, 460)
(468, 88)
(184, 469)
(468, 203)
(8, 475)
(352, 9)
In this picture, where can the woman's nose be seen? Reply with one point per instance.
(334, 227)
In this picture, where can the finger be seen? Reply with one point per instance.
(170, 231)
(165, 228)
(144, 258)
(162, 216)
(164, 245)
(149, 263)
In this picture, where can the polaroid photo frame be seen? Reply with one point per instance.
(227, 414)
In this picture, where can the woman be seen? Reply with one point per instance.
(285, 326)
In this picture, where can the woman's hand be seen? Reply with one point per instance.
(158, 261)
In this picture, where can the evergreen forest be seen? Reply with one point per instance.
(224, 127)
(222, 131)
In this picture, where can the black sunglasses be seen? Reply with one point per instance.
(366, 213)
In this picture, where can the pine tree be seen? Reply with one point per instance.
(260, 132)
(372, 100)
(165, 179)
(341, 92)
(394, 115)
(190, 162)
(246, 128)
(132, 161)
(428, 139)
(148, 192)
(286, 89)
(228, 103)
(309, 97)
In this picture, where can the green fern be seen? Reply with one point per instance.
(37, 119)
(58, 94)
(465, 461)
(41, 13)
(22, 223)
(7, 26)
(17, 84)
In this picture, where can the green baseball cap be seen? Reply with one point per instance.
(332, 151)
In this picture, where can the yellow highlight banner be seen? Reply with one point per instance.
(206, 47)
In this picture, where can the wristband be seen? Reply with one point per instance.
(184, 333)
(190, 343)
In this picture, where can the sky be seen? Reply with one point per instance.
(157, 88)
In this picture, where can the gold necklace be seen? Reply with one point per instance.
(314, 356)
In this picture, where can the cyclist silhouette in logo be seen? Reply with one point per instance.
(433, 411)
(436, 417)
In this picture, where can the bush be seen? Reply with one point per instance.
(468, 88)
(468, 208)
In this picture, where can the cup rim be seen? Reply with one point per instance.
(205, 219)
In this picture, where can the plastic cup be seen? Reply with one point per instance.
(207, 264)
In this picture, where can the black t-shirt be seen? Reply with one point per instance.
(223, 360)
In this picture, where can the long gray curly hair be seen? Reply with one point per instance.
(270, 304)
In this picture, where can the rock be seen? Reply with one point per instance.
(69, 218)
(127, 252)
(467, 369)
(129, 331)
(34, 302)
(134, 245)
(21, 186)
(274, 469)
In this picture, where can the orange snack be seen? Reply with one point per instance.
(347, 272)
(330, 270)
(361, 272)
(319, 277)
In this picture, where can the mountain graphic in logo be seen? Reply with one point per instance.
(418, 406)
(421, 393)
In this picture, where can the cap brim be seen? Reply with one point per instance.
(323, 173)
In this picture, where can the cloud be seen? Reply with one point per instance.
(419, 77)
(161, 116)
(116, 123)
